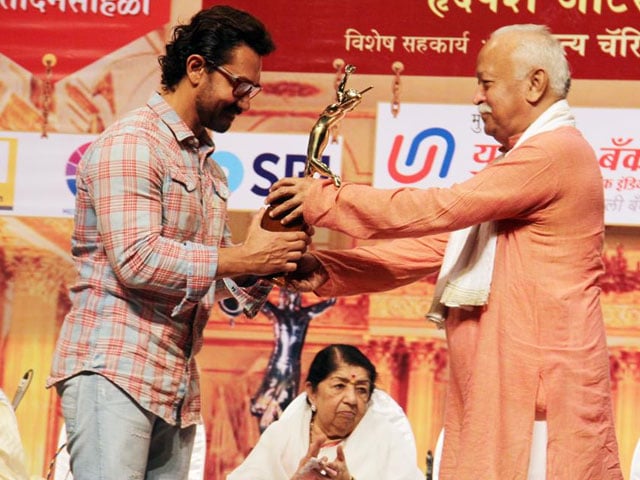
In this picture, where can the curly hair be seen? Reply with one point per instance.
(212, 33)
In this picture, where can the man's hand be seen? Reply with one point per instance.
(309, 275)
(287, 195)
(263, 252)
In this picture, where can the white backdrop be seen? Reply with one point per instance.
(37, 175)
(429, 145)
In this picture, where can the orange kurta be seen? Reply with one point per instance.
(540, 342)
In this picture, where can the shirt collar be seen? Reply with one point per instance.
(180, 129)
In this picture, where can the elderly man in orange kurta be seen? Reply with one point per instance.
(536, 348)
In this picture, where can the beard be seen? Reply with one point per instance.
(222, 121)
(219, 121)
(214, 114)
(218, 124)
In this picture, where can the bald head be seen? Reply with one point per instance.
(534, 47)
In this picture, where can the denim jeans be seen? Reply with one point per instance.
(110, 437)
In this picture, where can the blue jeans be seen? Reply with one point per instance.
(110, 437)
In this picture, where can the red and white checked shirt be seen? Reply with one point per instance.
(151, 214)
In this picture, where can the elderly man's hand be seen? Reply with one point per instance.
(308, 276)
(287, 197)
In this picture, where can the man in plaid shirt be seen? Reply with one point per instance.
(153, 253)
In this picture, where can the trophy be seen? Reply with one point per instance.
(346, 100)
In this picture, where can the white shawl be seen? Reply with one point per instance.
(465, 276)
(382, 446)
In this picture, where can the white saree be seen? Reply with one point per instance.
(381, 447)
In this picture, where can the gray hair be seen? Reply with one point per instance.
(545, 52)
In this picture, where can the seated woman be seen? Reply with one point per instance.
(340, 428)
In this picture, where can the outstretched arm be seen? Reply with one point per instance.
(375, 268)
(309, 276)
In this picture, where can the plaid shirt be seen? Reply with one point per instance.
(151, 214)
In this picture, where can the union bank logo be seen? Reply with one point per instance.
(429, 147)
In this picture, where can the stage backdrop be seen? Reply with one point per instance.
(68, 68)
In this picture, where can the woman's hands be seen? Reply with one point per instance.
(339, 465)
(313, 468)
(310, 467)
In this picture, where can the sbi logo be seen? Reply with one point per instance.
(266, 166)
(438, 143)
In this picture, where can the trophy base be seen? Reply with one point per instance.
(274, 225)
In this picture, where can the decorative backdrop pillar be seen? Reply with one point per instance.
(389, 355)
(4, 301)
(32, 330)
(625, 378)
(425, 406)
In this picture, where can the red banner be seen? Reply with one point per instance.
(443, 37)
(76, 32)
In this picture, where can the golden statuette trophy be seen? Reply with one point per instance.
(346, 100)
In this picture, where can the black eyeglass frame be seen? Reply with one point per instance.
(242, 86)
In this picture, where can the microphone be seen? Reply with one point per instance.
(429, 465)
(22, 388)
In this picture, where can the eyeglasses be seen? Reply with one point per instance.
(242, 87)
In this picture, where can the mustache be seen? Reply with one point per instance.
(484, 108)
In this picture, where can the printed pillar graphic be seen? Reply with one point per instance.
(8, 156)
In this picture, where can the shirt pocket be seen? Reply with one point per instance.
(181, 206)
(221, 190)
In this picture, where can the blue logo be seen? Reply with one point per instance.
(232, 166)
